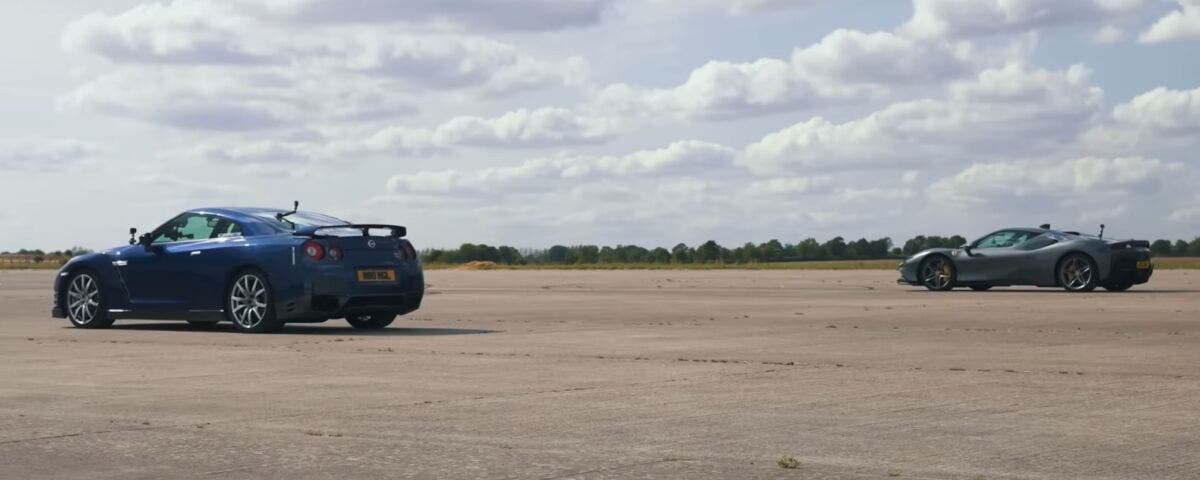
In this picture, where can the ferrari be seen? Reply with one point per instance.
(257, 268)
(1041, 257)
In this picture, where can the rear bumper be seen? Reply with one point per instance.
(335, 292)
(1124, 268)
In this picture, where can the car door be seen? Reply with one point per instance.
(993, 258)
(161, 277)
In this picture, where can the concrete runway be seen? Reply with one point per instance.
(661, 374)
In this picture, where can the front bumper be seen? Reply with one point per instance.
(60, 283)
(908, 274)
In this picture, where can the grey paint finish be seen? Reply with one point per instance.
(1034, 260)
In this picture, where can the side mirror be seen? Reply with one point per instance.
(145, 240)
(132, 232)
(966, 248)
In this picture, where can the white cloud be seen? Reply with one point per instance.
(510, 15)
(178, 32)
(43, 154)
(682, 158)
(541, 127)
(219, 98)
(844, 65)
(1057, 180)
(1164, 111)
(968, 18)
(1009, 110)
(1182, 24)
(1108, 35)
(741, 7)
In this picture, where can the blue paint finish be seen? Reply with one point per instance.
(189, 278)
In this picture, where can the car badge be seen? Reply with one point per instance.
(371, 243)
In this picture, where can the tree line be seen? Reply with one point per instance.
(773, 250)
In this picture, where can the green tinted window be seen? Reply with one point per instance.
(196, 226)
(1003, 239)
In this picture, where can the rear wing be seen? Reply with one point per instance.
(397, 231)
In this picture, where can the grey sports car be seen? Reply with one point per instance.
(1033, 256)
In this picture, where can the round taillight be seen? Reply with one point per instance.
(314, 250)
(335, 253)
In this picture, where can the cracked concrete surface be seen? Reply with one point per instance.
(663, 374)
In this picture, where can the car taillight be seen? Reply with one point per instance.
(409, 252)
(314, 250)
(335, 253)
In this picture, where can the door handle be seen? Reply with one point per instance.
(197, 252)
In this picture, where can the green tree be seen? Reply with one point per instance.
(557, 254)
(660, 255)
(1161, 247)
(708, 252)
(1180, 249)
(681, 253)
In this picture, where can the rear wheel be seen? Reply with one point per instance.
(374, 321)
(981, 288)
(84, 299)
(1077, 273)
(938, 273)
(249, 305)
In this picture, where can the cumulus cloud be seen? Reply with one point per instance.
(215, 98)
(548, 126)
(1163, 110)
(685, 157)
(509, 15)
(846, 64)
(1009, 110)
(1181, 24)
(42, 154)
(741, 7)
(970, 18)
(178, 32)
(1055, 180)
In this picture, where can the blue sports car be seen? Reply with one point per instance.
(258, 268)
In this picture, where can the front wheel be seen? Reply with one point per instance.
(86, 306)
(249, 305)
(938, 273)
(1077, 273)
(373, 321)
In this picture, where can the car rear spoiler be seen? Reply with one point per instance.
(1117, 245)
(397, 230)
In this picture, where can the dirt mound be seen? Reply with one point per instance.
(479, 266)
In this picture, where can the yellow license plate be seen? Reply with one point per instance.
(1144, 264)
(376, 275)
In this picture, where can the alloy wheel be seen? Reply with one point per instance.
(1076, 273)
(248, 301)
(83, 299)
(936, 273)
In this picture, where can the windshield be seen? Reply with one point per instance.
(300, 219)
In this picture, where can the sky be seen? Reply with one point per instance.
(539, 122)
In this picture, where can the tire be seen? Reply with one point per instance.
(249, 303)
(1077, 272)
(938, 273)
(1118, 287)
(375, 321)
(84, 301)
(981, 288)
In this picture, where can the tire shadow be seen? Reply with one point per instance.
(300, 329)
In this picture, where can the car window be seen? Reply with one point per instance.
(196, 226)
(1003, 239)
(1041, 241)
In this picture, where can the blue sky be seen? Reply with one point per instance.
(536, 122)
